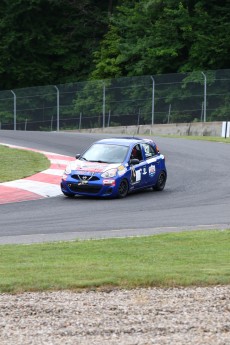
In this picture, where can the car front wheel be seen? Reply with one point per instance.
(69, 195)
(123, 189)
(161, 181)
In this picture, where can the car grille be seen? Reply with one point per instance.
(85, 177)
(84, 188)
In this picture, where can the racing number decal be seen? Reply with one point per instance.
(138, 175)
(135, 175)
(152, 170)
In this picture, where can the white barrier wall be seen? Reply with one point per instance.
(225, 129)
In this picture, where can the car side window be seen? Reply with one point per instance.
(136, 152)
(149, 151)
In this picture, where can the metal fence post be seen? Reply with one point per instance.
(169, 113)
(15, 100)
(202, 110)
(58, 107)
(205, 94)
(108, 119)
(153, 100)
(51, 124)
(79, 127)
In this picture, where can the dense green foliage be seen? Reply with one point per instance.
(46, 42)
(165, 36)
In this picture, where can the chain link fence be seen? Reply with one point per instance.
(158, 99)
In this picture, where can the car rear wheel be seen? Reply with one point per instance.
(123, 189)
(161, 181)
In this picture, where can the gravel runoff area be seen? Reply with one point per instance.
(194, 315)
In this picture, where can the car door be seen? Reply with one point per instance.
(152, 163)
(139, 173)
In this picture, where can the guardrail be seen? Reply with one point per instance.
(201, 96)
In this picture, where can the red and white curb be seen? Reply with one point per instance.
(41, 185)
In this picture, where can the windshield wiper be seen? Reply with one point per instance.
(99, 161)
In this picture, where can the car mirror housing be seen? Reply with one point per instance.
(134, 161)
(78, 155)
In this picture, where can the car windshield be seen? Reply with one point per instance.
(106, 153)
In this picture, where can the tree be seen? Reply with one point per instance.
(49, 41)
(165, 36)
(210, 47)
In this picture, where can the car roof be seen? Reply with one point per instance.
(125, 141)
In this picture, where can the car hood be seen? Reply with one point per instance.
(91, 166)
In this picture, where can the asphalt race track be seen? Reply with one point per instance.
(197, 195)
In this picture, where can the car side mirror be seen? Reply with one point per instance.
(134, 161)
(78, 156)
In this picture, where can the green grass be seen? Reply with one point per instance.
(17, 163)
(204, 138)
(181, 259)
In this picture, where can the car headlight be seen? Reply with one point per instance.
(67, 170)
(109, 173)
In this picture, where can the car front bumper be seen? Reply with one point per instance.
(100, 188)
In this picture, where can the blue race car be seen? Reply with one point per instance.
(115, 167)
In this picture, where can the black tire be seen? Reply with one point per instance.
(123, 189)
(69, 195)
(161, 181)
